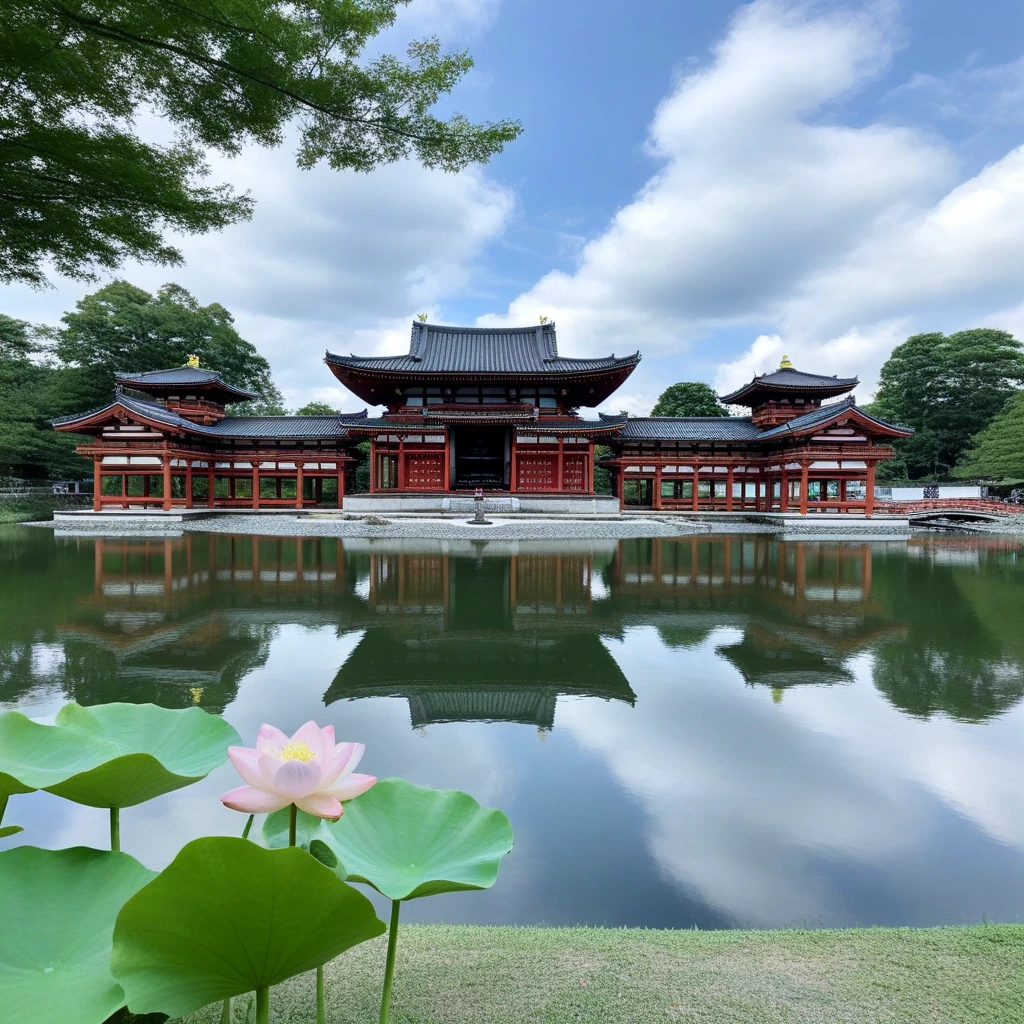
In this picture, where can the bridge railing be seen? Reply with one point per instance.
(988, 505)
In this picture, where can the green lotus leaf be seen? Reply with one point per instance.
(58, 909)
(409, 841)
(227, 917)
(275, 832)
(111, 755)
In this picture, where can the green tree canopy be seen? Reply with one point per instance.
(80, 188)
(316, 409)
(122, 328)
(29, 446)
(948, 388)
(689, 398)
(998, 451)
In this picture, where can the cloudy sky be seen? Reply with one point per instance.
(713, 184)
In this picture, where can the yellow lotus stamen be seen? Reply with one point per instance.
(297, 752)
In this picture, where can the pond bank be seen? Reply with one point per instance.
(471, 975)
(456, 526)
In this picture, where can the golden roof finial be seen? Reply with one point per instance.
(422, 317)
(193, 361)
(785, 364)
(777, 693)
(543, 319)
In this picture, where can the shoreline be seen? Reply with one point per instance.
(466, 974)
(499, 526)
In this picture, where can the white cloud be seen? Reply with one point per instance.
(767, 212)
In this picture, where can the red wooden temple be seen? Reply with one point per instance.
(495, 409)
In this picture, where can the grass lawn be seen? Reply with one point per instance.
(468, 975)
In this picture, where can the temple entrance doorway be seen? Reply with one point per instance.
(480, 458)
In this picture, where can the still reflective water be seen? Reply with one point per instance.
(720, 732)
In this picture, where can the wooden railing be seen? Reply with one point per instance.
(950, 505)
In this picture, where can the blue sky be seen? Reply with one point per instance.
(711, 183)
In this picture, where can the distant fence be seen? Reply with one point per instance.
(33, 488)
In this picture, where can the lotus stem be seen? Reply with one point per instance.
(389, 969)
(225, 1011)
(293, 819)
(248, 825)
(263, 1005)
(321, 1012)
(115, 828)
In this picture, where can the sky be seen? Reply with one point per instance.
(710, 183)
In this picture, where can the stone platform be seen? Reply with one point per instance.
(494, 504)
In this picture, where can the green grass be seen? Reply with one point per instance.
(468, 975)
(39, 507)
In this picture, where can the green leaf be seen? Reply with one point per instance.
(10, 830)
(307, 828)
(58, 909)
(111, 755)
(409, 841)
(226, 917)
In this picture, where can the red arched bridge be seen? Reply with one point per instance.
(953, 509)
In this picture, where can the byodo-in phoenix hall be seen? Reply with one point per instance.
(495, 409)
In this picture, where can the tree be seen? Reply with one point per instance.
(317, 409)
(998, 451)
(690, 398)
(29, 446)
(270, 403)
(948, 388)
(122, 328)
(80, 188)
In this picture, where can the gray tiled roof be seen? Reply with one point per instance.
(789, 379)
(234, 426)
(823, 415)
(182, 375)
(688, 428)
(438, 349)
(151, 410)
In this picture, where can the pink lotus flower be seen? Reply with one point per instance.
(309, 770)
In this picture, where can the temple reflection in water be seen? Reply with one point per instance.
(498, 632)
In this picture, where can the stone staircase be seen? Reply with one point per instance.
(492, 505)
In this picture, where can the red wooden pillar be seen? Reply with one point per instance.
(97, 487)
(299, 482)
(341, 484)
(513, 445)
(561, 463)
(728, 489)
(255, 484)
(401, 462)
(167, 482)
(842, 495)
(373, 467)
(210, 496)
(590, 460)
(448, 460)
(804, 480)
(188, 483)
(696, 481)
(869, 505)
(784, 490)
(621, 474)
(656, 503)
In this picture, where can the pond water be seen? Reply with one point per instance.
(729, 731)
